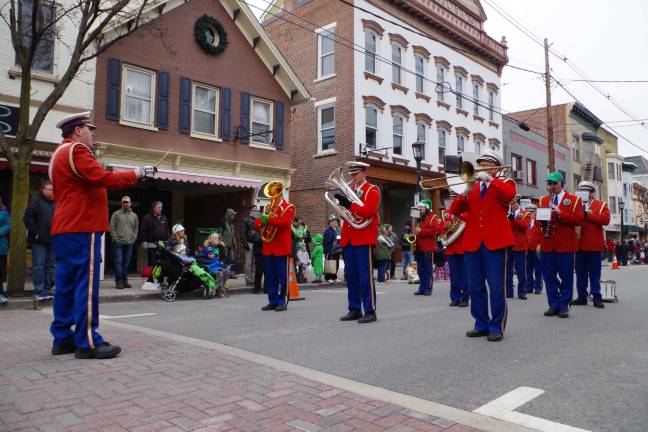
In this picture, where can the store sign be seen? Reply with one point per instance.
(9, 119)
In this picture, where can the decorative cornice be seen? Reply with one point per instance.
(442, 104)
(422, 117)
(374, 100)
(479, 136)
(463, 131)
(373, 25)
(442, 60)
(461, 71)
(444, 124)
(493, 124)
(396, 86)
(494, 141)
(462, 112)
(400, 109)
(478, 118)
(492, 87)
(419, 95)
(394, 37)
(477, 79)
(422, 51)
(369, 75)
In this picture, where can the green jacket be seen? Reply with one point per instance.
(124, 226)
(317, 255)
(228, 234)
(384, 248)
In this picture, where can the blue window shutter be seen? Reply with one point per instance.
(279, 126)
(244, 127)
(113, 89)
(163, 101)
(226, 114)
(185, 105)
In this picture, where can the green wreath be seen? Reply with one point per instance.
(206, 30)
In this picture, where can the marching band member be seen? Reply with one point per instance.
(559, 244)
(426, 234)
(276, 252)
(486, 239)
(455, 255)
(357, 243)
(519, 220)
(591, 244)
(534, 235)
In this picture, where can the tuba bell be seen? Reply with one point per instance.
(274, 191)
(336, 182)
(453, 230)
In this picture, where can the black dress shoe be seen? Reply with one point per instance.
(599, 304)
(269, 307)
(509, 296)
(522, 298)
(551, 312)
(66, 347)
(538, 292)
(477, 333)
(463, 303)
(427, 294)
(495, 337)
(368, 317)
(563, 314)
(418, 293)
(352, 315)
(578, 302)
(454, 303)
(105, 351)
(281, 308)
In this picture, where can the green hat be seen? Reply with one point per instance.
(426, 202)
(555, 177)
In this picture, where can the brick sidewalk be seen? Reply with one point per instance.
(158, 385)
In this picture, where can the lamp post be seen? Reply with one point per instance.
(621, 207)
(417, 151)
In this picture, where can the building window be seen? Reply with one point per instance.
(618, 171)
(461, 144)
(398, 128)
(326, 52)
(420, 131)
(491, 106)
(261, 121)
(326, 126)
(371, 126)
(610, 170)
(138, 90)
(443, 134)
(479, 145)
(613, 205)
(370, 51)
(576, 148)
(44, 53)
(419, 62)
(516, 164)
(563, 174)
(459, 88)
(475, 98)
(204, 119)
(531, 173)
(577, 180)
(396, 56)
(440, 77)
(625, 189)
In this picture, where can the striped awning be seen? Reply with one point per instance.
(198, 178)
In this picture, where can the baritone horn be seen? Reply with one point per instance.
(457, 183)
(274, 191)
(336, 182)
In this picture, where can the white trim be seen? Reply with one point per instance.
(129, 122)
(327, 77)
(203, 135)
(270, 125)
(325, 102)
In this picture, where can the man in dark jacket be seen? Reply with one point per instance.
(38, 221)
(331, 246)
(406, 248)
(154, 228)
(248, 244)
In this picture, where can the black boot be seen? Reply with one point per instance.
(579, 302)
(66, 347)
(105, 351)
(368, 317)
(463, 303)
(599, 304)
(281, 308)
(476, 333)
(352, 315)
(269, 307)
(551, 312)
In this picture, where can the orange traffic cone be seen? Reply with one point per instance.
(615, 264)
(293, 287)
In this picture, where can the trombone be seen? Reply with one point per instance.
(457, 183)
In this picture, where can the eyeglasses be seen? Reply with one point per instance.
(552, 183)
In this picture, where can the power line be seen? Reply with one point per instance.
(606, 81)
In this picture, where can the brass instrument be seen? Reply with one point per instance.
(457, 183)
(274, 191)
(453, 231)
(335, 182)
(415, 213)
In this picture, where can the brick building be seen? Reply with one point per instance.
(374, 88)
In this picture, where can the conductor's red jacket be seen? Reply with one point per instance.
(283, 217)
(369, 194)
(591, 236)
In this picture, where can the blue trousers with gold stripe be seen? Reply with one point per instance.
(588, 267)
(424, 264)
(458, 284)
(483, 266)
(516, 259)
(76, 300)
(558, 273)
(358, 269)
(276, 276)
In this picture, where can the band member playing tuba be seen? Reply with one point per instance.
(486, 239)
(275, 226)
(454, 252)
(591, 244)
(519, 220)
(357, 243)
(557, 259)
(426, 234)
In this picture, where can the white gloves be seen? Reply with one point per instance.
(146, 171)
(483, 176)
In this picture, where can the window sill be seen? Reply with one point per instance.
(324, 78)
(396, 86)
(478, 118)
(376, 154)
(369, 75)
(422, 96)
(205, 137)
(495, 125)
(462, 112)
(426, 166)
(38, 76)
(137, 125)
(262, 146)
(443, 105)
(325, 153)
(400, 161)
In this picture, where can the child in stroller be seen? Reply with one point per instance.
(209, 256)
(181, 274)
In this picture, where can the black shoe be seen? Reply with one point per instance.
(281, 308)
(495, 337)
(368, 317)
(352, 315)
(578, 302)
(269, 307)
(66, 347)
(538, 292)
(477, 333)
(119, 285)
(463, 303)
(418, 293)
(551, 312)
(427, 294)
(454, 303)
(563, 313)
(105, 351)
(522, 298)
(509, 296)
(599, 304)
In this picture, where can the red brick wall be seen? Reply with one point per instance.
(537, 120)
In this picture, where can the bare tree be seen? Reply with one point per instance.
(32, 23)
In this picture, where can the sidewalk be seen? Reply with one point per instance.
(158, 384)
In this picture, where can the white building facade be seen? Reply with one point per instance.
(615, 182)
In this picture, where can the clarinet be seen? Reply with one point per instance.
(547, 224)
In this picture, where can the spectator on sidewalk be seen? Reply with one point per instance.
(622, 253)
(248, 245)
(178, 237)
(124, 227)
(154, 229)
(38, 221)
(406, 249)
(228, 235)
(392, 260)
(5, 226)
(317, 257)
(259, 263)
(384, 250)
(331, 246)
(611, 249)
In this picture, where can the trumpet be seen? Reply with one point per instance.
(274, 191)
(457, 183)
(336, 181)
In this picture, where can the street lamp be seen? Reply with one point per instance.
(621, 207)
(417, 151)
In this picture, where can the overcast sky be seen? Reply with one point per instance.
(605, 39)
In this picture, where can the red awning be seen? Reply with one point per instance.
(34, 166)
(187, 177)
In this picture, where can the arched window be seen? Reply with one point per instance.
(419, 64)
(398, 124)
(397, 62)
(461, 144)
(442, 136)
(371, 126)
(371, 45)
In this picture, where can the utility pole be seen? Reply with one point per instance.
(550, 137)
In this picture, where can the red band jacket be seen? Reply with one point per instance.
(369, 194)
(562, 228)
(596, 216)
(456, 247)
(426, 239)
(282, 220)
(534, 235)
(520, 226)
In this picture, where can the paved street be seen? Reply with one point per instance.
(591, 367)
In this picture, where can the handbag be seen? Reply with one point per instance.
(330, 266)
